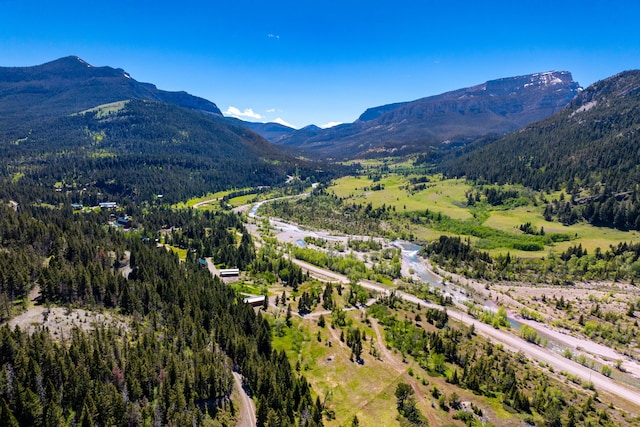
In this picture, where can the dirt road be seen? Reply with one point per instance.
(247, 407)
(508, 340)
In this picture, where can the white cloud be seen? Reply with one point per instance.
(273, 36)
(247, 113)
(270, 110)
(330, 125)
(282, 122)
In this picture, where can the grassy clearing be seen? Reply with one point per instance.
(106, 109)
(445, 196)
(448, 198)
(213, 197)
(366, 391)
(588, 236)
(241, 200)
(182, 253)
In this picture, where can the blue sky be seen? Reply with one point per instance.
(306, 62)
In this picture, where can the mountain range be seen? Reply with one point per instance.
(128, 138)
(98, 129)
(594, 142)
(69, 85)
(590, 150)
(454, 118)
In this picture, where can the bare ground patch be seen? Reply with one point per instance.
(60, 321)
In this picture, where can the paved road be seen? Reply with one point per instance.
(507, 339)
(247, 407)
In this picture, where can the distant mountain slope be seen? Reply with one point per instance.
(141, 149)
(457, 117)
(95, 133)
(270, 131)
(595, 139)
(69, 85)
(591, 148)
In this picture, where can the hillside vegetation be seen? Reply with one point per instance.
(590, 149)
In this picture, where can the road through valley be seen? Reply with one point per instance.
(508, 340)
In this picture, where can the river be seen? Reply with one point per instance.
(417, 267)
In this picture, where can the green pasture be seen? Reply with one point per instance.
(587, 235)
(242, 200)
(213, 197)
(446, 196)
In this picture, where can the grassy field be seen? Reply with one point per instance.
(349, 389)
(214, 197)
(588, 236)
(211, 200)
(367, 390)
(448, 198)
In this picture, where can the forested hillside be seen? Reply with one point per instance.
(96, 134)
(590, 149)
(186, 333)
(138, 149)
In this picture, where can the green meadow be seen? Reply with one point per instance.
(491, 228)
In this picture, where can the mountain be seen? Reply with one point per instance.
(69, 85)
(270, 131)
(591, 148)
(593, 140)
(450, 119)
(96, 131)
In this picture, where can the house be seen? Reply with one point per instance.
(202, 262)
(108, 205)
(229, 272)
(76, 206)
(123, 222)
(255, 301)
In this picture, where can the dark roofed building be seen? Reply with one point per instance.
(123, 222)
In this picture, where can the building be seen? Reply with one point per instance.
(108, 205)
(229, 272)
(255, 301)
(123, 222)
(76, 206)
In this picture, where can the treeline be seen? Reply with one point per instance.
(330, 212)
(496, 196)
(173, 364)
(489, 237)
(614, 210)
(350, 265)
(619, 262)
(203, 234)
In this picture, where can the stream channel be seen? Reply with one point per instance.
(413, 262)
